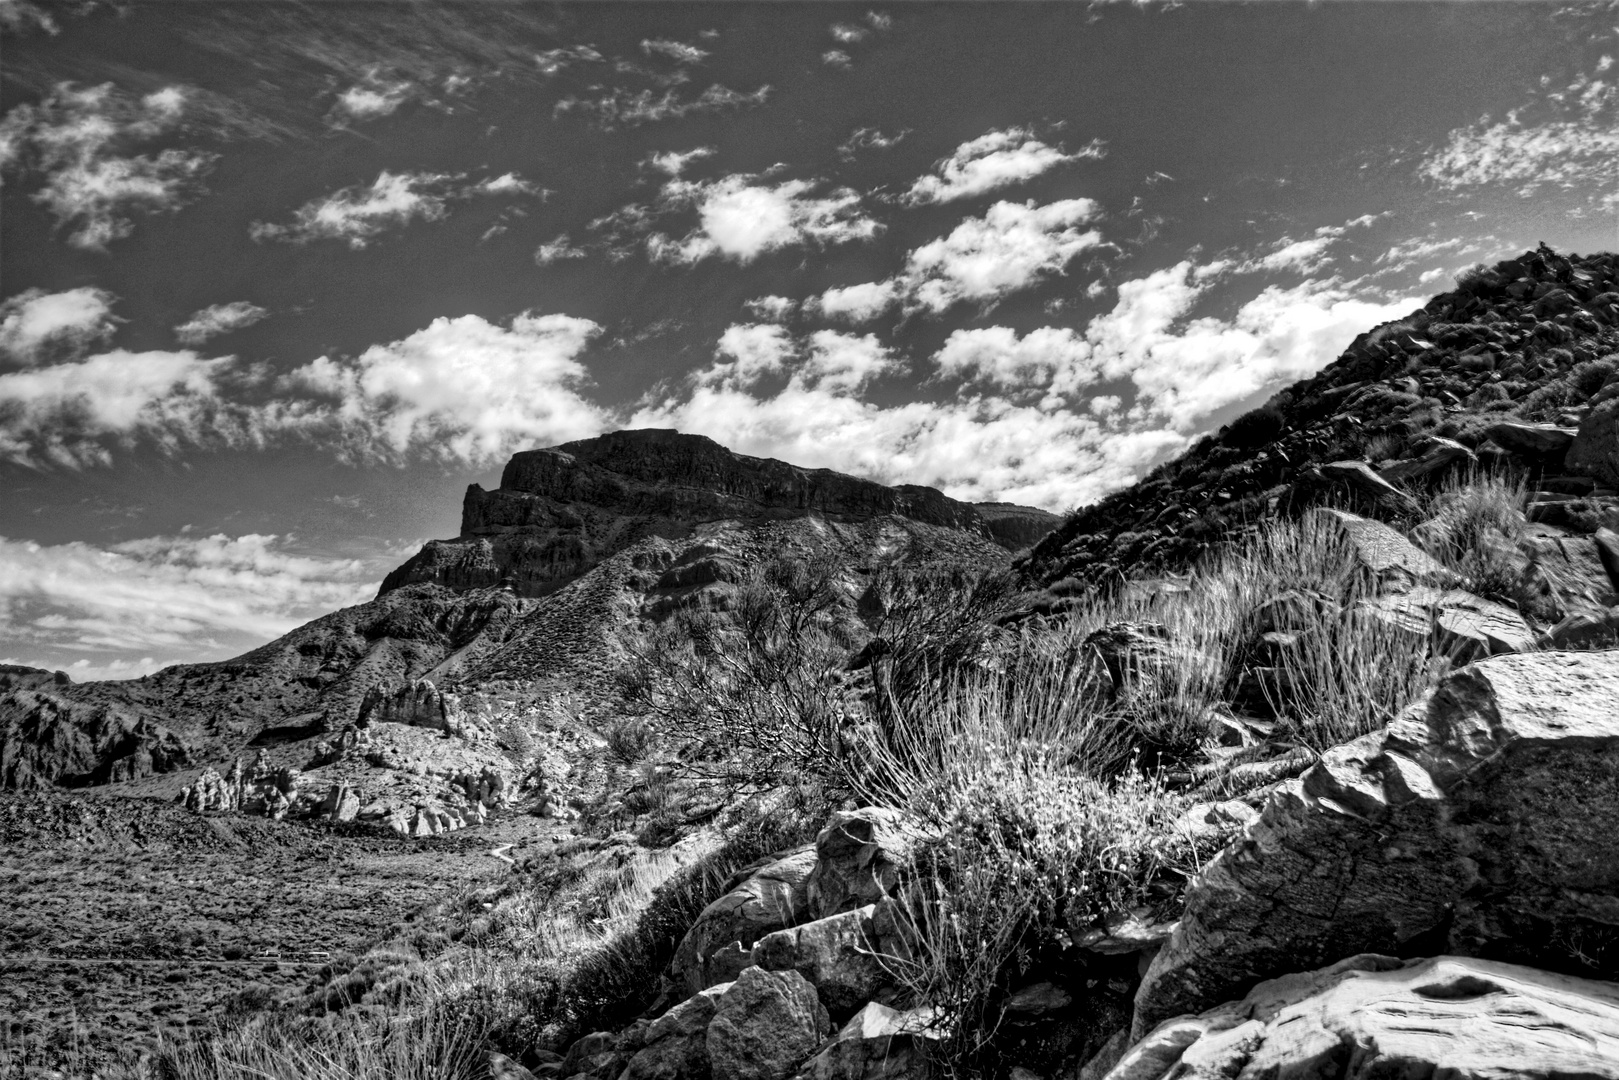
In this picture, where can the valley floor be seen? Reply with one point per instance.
(125, 921)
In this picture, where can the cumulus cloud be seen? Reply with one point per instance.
(372, 98)
(994, 160)
(849, 33)
(772, 308)
(837, 58)
(66, 413)
(1056, 362)
(36, 325)
(623, 108)
(507, 184)
(1185, 368)
(79, 141)
(1012, 246)
(673, 163)
(462, 389)
(558, 250)
(976, 447)
(218, 319)
(742, 217)
(359, 213)
(678, 51)
(164, 594)
(856, 303)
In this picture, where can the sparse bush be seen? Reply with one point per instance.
(1476, 528)
(629, 738)
(1255, 428)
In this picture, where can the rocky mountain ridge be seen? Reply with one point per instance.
(562, 510)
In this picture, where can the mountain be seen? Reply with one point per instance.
(580, 544)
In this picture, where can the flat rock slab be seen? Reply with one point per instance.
(1481, 822)
(1374, 1017)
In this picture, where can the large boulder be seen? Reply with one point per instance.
(847, 956)
(719, 944)
(878, 1043)
(1380, 550)
(766, 1024)
(1377, 1018)
(860, 858)
(1531, 440)
(1595, 450)
(1480, 823)
(675, 1045)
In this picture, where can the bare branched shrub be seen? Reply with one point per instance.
(755, 694)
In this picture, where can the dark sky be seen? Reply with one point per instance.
(279, 280)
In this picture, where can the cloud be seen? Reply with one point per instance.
(977, 447)
(462, 389)
(372, 98)
(35, 324)
(837, 58)
(359, 213)
(622, 108)
(78, 140)
(1566, 137)
(741, 218)
(1186, 368)
(553, 61)
(164, 594)
(772, 308)
(855, 303)
(678, 51)
(65, 414)
(1056, 361)
(218, 319)
(869, 138)
(1010, 248)
(994, 160)
(849, 33)
(557, 250)
(1304, 256)
(673, 163)
(507, 184)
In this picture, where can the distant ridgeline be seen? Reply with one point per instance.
(1515, 368)
(560, 511)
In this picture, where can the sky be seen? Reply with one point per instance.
(278, 280)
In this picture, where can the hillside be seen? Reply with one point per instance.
(1531, 341)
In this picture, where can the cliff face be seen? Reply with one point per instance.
(561, 511)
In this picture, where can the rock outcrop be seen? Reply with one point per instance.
(1372, 1017)
(48, 740)
(561, 511)
(1479, 823)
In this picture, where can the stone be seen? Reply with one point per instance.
(1532, 440)
(878, 1043)
(1595, 450)
(1439, 456)
(675, 1045)
(1505, 776)
(1463, 626)
(1125, 933)
(1363, 478)
(1038, 999)
(1380, 549)
(860, 858)
(765, 1026)
(1372, 1017)
(580, 1056)
(418, 704)
(842, 955)
(341, 803)
(719, 944)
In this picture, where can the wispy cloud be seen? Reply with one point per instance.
(558, 250)
(624, 108)
(678, 51)
(674, 162)
(218, 319)
(164, 595)
(869, 138)
(360, 213)
(994, 160)
(743, 216)
(36, 325)
(373, 97)
(80, 142)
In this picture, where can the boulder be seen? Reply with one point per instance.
(765, 1026)
(1373, 1017)
(1381, 550)
(1364, 479)
(842, 955)
(1531, 440)
(675, 1045)
(860, 858)
(1463, 626)
(719, 944)
(878, 1043)
(1439, 456)
(1595, 450)
(1478, 823)
(419, 704)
